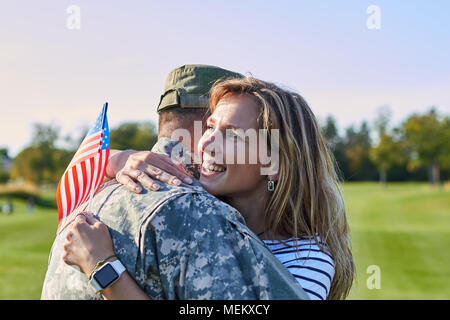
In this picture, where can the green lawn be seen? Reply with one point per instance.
(403, 229)
(25, 242)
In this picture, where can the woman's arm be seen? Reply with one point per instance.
(88, 241)
(132, 167)
(125, 289)
(117, 160)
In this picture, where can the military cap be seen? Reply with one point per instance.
(188, 86)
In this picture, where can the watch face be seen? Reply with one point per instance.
(105, 276)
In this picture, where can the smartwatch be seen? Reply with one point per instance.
(106, 275)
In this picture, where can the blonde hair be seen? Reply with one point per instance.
(307, 200)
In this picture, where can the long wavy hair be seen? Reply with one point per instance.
(307, 201)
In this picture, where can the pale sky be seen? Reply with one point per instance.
(124, 50)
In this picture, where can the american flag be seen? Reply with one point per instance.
(85, 172)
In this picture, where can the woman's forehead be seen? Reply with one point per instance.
(239, 111)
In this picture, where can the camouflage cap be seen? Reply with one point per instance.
(188, 86)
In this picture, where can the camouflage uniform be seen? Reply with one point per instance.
(177, 243)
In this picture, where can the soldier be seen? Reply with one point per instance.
(180, 242)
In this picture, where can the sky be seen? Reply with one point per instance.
(53, 73)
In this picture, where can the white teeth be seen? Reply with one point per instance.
(211, 167)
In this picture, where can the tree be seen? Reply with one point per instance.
(40, 165)
(382, 119)
(330, 132)
(356, 147)
(5, 163)
(132, 135)
(73, 143)
(336, 144)
(44, 136)
(444, 156)
(41, 162)
(428, 139)
(388, 153)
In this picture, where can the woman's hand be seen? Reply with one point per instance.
(131, 167)
(87, 242)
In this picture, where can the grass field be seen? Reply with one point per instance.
(25, 242)
(403, 229)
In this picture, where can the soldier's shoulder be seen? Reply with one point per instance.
(115, 198)
(112, 189)
(196, 200)
(114, 192)
(198, 209)
(177, 203)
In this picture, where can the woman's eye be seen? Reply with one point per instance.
(234, 136)
(209, 128)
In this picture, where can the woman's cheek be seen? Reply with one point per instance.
(200, 144)
(229, 153)
(238, 179)
(237, 152)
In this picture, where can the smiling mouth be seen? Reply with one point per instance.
(209, 169)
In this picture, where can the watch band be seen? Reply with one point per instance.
(95, 285)
(118, 267)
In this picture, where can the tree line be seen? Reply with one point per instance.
(43, 162)
(418, 149)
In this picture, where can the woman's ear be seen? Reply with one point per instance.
(272, 177)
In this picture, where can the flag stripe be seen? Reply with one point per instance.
(100, 170)
(66, 202)
(103, 155)
(104, 163)
(63, 199)
(80, 183)
(64, 223)
(89, 168)
(59, 203)
(93, 146)
(84, 155)
(67, 194)
(71, 189)
(85, 180)
(90, 139)
(94, 178)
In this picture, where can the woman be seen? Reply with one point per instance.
(298, 210)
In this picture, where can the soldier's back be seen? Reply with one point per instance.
(177, 243)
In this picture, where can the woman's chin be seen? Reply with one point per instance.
(212, 181)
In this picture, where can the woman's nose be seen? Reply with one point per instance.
(212, 144)
(208, 144)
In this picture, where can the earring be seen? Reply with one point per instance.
(270, 185)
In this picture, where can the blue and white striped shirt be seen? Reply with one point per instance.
(313, 268)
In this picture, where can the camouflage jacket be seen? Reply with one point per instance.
(177, 243)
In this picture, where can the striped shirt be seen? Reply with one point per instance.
(313, 268)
